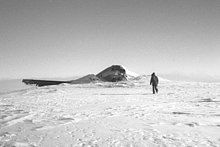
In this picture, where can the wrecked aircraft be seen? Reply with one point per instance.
(114, 73)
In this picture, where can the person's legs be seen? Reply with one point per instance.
(153, 89)
(156, 89)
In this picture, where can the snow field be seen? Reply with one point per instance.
(112, 114)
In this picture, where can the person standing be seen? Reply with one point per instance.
(154, 82)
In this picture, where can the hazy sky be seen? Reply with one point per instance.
(62, 38)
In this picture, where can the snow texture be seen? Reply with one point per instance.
(124, 114)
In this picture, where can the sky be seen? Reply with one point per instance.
(64, 38)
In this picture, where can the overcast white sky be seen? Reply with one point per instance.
(54, 38)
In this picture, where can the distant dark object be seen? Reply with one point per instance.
(154, 82)
(42, 82)
(114, 73)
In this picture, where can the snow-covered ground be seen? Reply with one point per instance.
(124, 114)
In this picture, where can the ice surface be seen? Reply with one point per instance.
(112, 114)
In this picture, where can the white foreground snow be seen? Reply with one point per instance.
(108, 114)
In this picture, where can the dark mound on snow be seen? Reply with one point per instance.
(113, 73)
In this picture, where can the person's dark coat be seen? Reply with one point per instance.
(154, 80)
